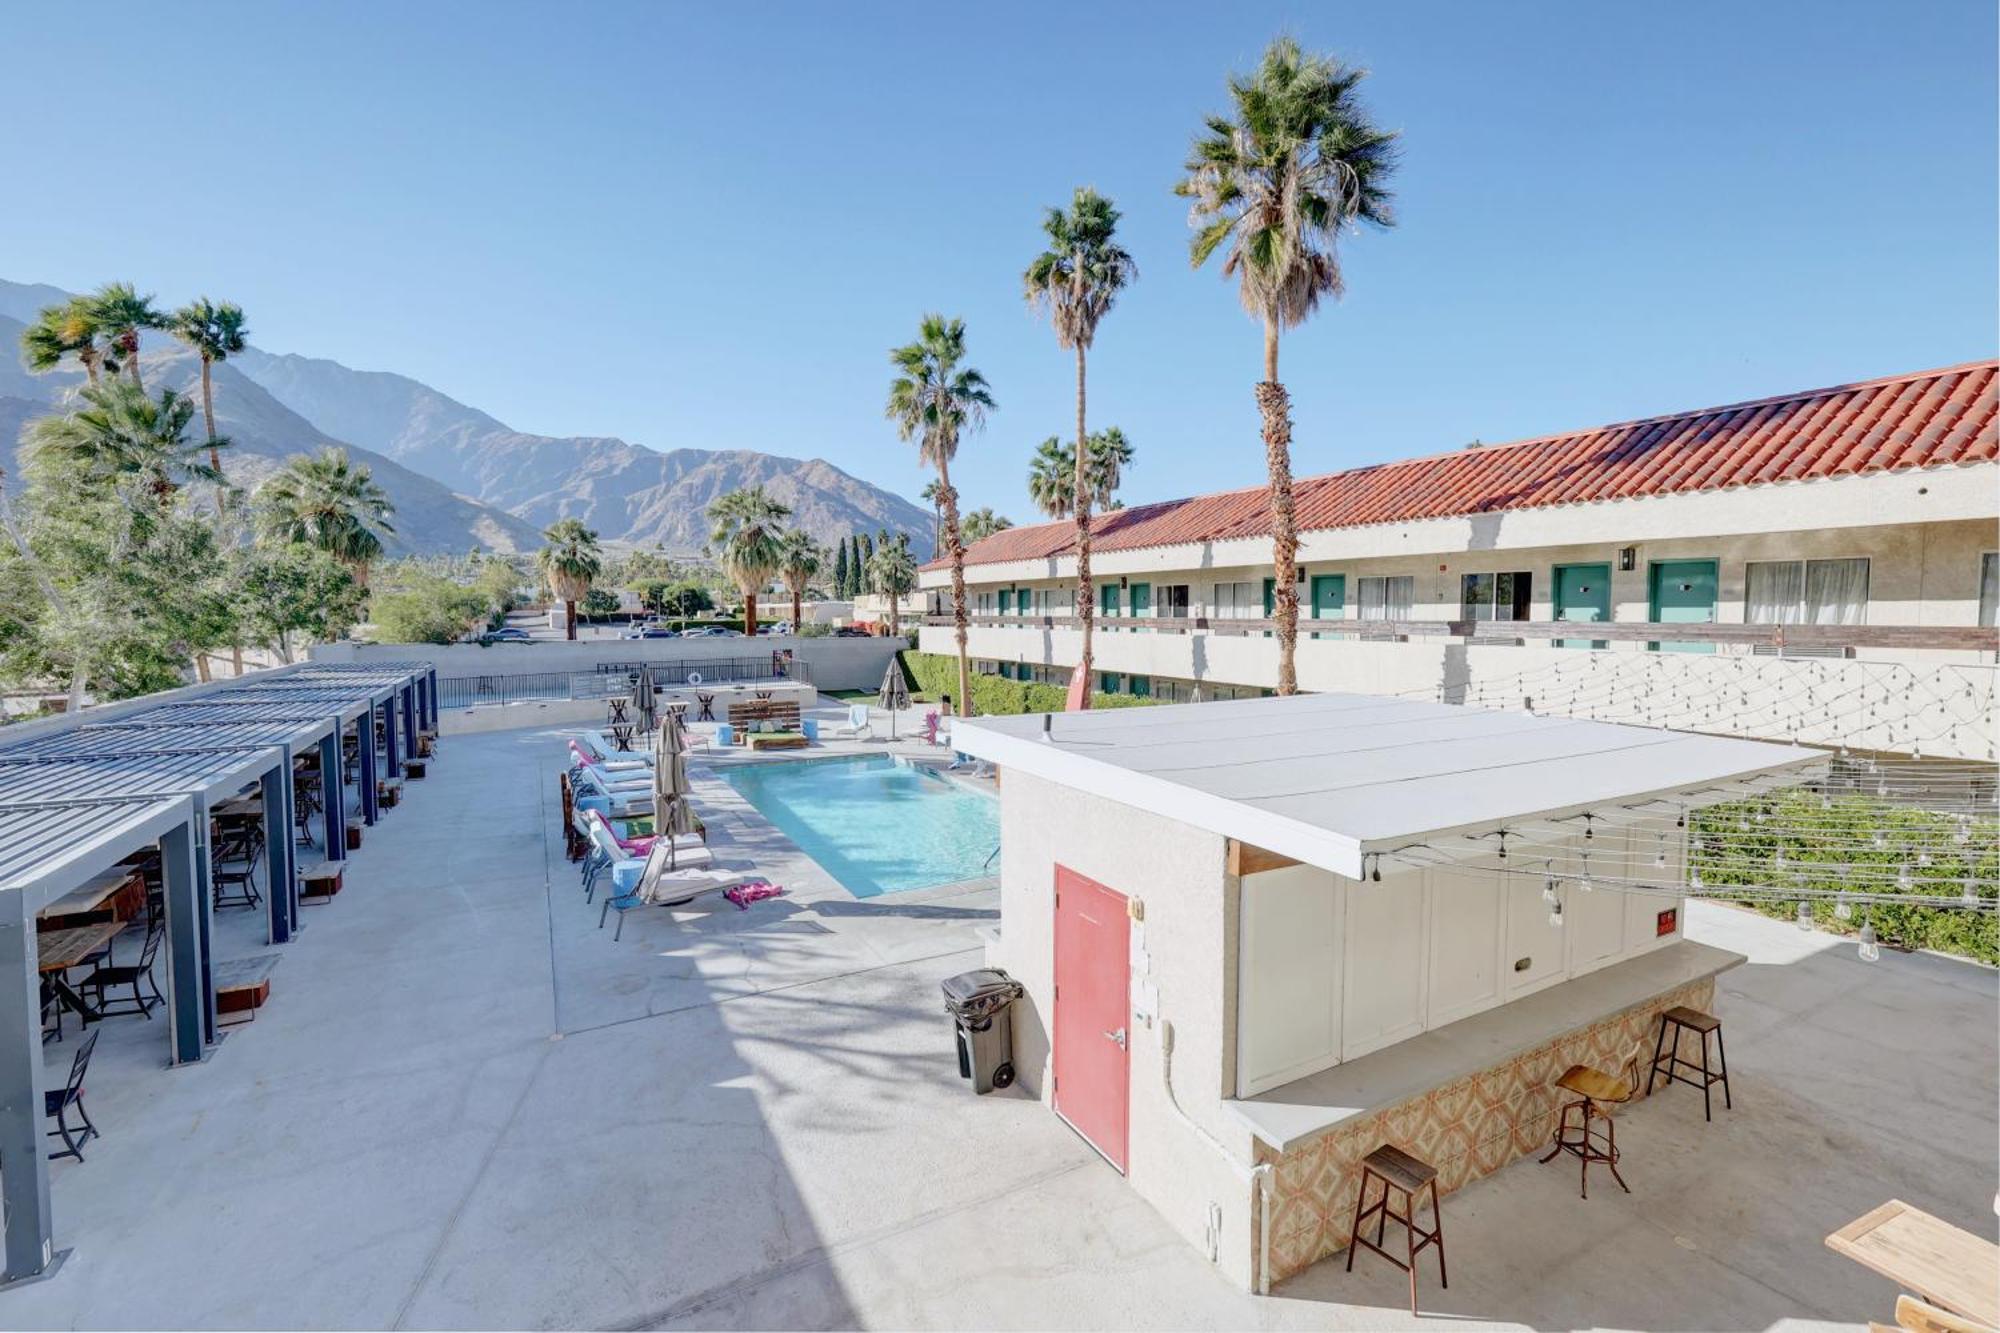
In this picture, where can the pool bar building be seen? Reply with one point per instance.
(133, 787)
(1262, 938)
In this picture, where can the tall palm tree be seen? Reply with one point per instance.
(803, 560)
(326, 501)
(59, 331)
(1110, 455)
(747, 540)
(1076, 281)
(934, 497)
(215, 331)
(122, 315)
(893, 574)
(1275, 182)
(1052, 475)
(933, 399)
(571, 562)
(982, 523)
(115, 433)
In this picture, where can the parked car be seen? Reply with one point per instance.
(507, 635)
(851, 632)
(655, 632)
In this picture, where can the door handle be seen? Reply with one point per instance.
(1118, 1036)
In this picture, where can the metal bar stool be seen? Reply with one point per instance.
(1594, 1090)
(1399, 1171)
(1683, 1019)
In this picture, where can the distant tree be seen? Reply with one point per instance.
(686, 598)
(1275, 182)
(867, 550)
(803, 559)
(570, 561)
(893, 574)
(215, 331)
(291, 595)
(115, 434)
(121, 315)
(1076, 280)
(981, 524)
(840, 571)
(747, 539)
(598, 603)
(857, 575)
(1052, 478)
(934, 497)
(328, 502)
(934, 398)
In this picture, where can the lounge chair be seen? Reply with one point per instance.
(626, 869)
(860, 722)
(631, 763)
(658, 886)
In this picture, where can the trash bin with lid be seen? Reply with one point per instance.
(978, 1002)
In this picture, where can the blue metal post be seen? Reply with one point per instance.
(30, 1243)
(408, 696)
(190, 988)
(333, 795)
(364, 730)
(283, 899)
(431, 698)
(392, 753)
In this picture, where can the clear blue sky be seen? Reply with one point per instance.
(704, 225)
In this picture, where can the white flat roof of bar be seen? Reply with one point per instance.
(1329, 779)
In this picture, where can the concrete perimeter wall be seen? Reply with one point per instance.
(836, 664)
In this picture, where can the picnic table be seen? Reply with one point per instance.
(60, 950)
(1928, 1256)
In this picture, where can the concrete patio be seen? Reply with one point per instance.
(466, 1106)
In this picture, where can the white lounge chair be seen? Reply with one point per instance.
(860, 722)
(659, 886)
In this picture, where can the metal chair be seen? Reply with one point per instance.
(1595, 1090)
(244, 845)
(57, 1102)
(131, 974)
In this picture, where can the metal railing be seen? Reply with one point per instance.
(1796, 638)
(610, 678)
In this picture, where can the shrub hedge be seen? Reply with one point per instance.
(934, 675)
(1822, 838)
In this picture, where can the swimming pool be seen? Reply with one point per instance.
(876, 825)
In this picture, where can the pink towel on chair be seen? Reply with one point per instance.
(755, 891)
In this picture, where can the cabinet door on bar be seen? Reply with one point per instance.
(1468, 930)
(1382, 998)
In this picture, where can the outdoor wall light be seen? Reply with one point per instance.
(1628, 558)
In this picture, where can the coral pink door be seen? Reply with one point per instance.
(1092, 1005)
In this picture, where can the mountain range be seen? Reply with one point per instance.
(459, 477)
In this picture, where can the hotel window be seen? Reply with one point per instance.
(1989, 588)
(983, 604)
(1171, 600)
(1495, 596)
(1387, 598)
(1238, 601)
(1806, 592)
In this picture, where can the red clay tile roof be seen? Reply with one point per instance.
(1934, 418)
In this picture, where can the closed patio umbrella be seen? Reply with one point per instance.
(672, 815)
(894, 695)
(645, 701)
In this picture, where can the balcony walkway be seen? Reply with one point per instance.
(465, 1106)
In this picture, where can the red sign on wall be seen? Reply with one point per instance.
(1667, 919)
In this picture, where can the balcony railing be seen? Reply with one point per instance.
(1782, 638)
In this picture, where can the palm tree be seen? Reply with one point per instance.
(121, 315)
(571, 562)
(326, 501)
(748, 541)
(893, 574)
(68, 329)
(1296, 163)
(1110, 455)
(933, 400)
(981, 524)
(803, 560)
(1052, 478)
(1076, 281)
(216, 332)
(935, 499)
(115, 434)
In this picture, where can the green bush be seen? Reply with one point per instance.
(1822, 838)
(427, 608)
(934, 675)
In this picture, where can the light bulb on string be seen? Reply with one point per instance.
(1805, 916)
(1556, 914)
(1968, 895)
(1869, 950)
(1924, 857)
(1904, 882)
(1660, 854)
(1842, 908)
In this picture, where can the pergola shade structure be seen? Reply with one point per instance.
(81, 795)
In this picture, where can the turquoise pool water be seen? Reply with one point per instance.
(876, 825)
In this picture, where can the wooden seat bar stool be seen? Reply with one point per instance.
(1404, 1174)
(1681, 1019)
(1577, 1129)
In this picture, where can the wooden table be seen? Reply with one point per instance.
(1926, 1256)
(86, 905)
(61, 950)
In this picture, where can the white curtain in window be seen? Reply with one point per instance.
(1773, 592)
(1989, 588)
(1401, 597)
(1836, 592)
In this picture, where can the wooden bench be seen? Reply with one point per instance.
(388, 791)
(413, 769)
(243, 984)
(355, 823)
(784, 712)
(776, 740)
(320, 880)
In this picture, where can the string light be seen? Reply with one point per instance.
(1869, 950)
(1805, 917)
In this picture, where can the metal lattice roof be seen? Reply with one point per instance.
(63, 846)
(86, 780)
(159, 738)
(194, 712)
